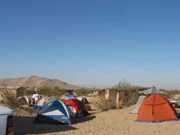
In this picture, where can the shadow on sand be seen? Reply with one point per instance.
(25, 125)
(84, 119)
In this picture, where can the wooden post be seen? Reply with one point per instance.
(106, 95)
(133, 92)
(105, 104)
(117, 99)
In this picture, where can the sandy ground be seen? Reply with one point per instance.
(113, 122)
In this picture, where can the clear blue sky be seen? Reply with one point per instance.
(92, 42)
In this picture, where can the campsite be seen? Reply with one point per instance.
(73, 114)
(89, 67)
(118, 121)
(114, 122)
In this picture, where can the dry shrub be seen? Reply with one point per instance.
(10, 101)
(30, 91)
(170, 93)
(58, 93)
(46, 91)
(82, 92)
(103, 104)
(51, 91)
(9, 98)
(127, 98)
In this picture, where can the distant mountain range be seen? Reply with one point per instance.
(36, 81)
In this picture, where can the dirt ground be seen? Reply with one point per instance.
(113, 122)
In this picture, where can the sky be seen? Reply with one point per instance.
(92, 42)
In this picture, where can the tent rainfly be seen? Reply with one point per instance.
(151, 90)
(138, 104)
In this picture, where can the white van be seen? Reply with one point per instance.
(6, 121)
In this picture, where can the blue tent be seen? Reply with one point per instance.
(55, 112)
(71, 97)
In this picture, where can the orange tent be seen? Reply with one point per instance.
(156, 108)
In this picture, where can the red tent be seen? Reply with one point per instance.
(74, 103)
(77, 107)
(156, 108)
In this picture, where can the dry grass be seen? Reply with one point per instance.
(127, 98)
(82, 92)
(9, 98)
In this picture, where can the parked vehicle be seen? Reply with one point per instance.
(6, 121)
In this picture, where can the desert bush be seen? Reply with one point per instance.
(103, 104)
(170, 93)
(31, 91)
(123, 84)
(9, 98)
(46, 90)
(51, 91)
(58, 93)
(127, 96)
(82, 92)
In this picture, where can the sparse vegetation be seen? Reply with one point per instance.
(104, 104)
(82, 92)
(170, 93)
(51, 91)
(123, 84)
(58, 93)
(30, 91)
(127, 96)
(44, 90)
(9, 98)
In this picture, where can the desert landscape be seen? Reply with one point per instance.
(104, 118)
(112, 122)
(89, 67)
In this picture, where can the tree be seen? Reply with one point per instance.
(123, 84)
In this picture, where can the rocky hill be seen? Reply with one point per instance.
(36, 81)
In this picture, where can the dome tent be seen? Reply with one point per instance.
(83, 100)
(54, 112)
(23, 100)
(41, 102)
(156, 108)
(144, 93)
(71, 97)
(77, 107)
